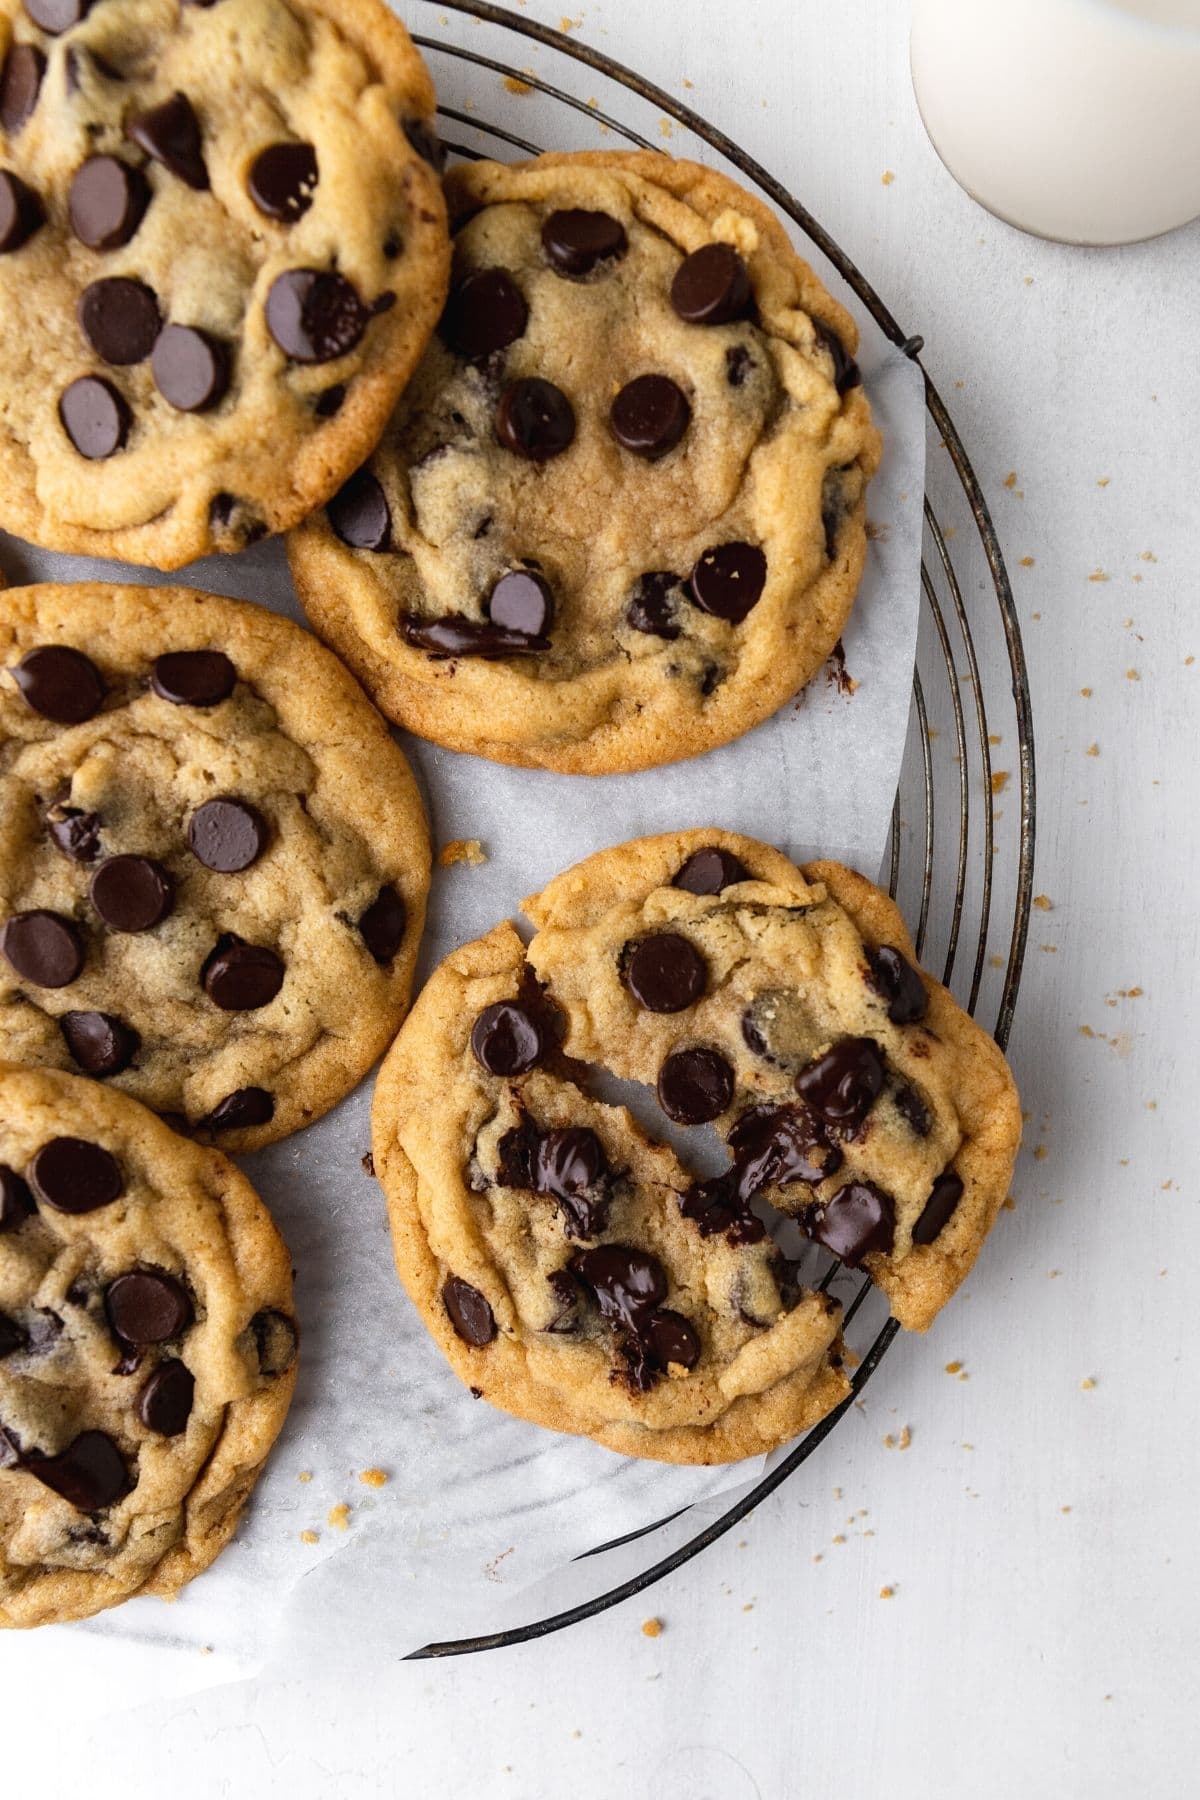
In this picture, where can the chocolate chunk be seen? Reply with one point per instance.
(516, 1157)
(738, 364)
(12, 1338)
(652, 605)
(567, 1294)
(383, 924)
(170, 134)
(57, 16)
(20, 212)
(164, 1404)
(94, 417)
(20, 84)
(695, 1086)
(843, 1085)
(75, 1176)
(89, 1474)
(456, 636)
(629, 1284)
(575, 240)
(710, 871)
(521, 601)
(669, 1339)
(59, 683)
(147, 1306)
(774, 1146)
(535, 419)
(276, 1341)
(191, 368)
(649, 416)
(314, 315)
(241, 977)
(106, 202)
(485, 313)
(43, 947)
(664, 972)
(846, 372)
(509, 1039)
(728, 580)
(120, 319)
(193, 677)
(859, 1219)
(240, 1110)
(100, 1043)
(424, 139)
(898, 982)
(469, 1312)
(359, 513)
(570, 1165)
(944, 1196)
(282, 180)
(16, 1201)
(227, 835)
(132, 893)
(76, 833)
(329, 404)
(711, 286)
(913, 1110)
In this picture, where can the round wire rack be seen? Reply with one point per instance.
(959, 858)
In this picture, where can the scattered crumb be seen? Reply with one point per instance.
(207, 1650)
(749, 1606)
(462, 850)
(994, 738)
(665, 127)
(905, 1437)
(339, 1516)
(887, 178)
(1050, 949)
(1010, 480)
(995, 962)
(1028, 280)
(952, 1368)
(652, 1628)
(999, 781)
(310, 1537)
(1064, 1509)
(1099, 575)
(887, 1593)
(687, 83)
(1086, 693)
(375, 1478)
(1043, 902)
(889, 1442)
(368, 1164)
(1103, 480)
(1087, 1383)
(304, 1475)
(1093, 750)
(1041, 1153)
(819, 1557)
(1009, 1203)
(1132, 675)
(839, 1539)
(565, 24)
(1148, 556)
(515, 85)
(1027, 562)
(1053, 1274)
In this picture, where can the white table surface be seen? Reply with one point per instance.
(1039, 1534)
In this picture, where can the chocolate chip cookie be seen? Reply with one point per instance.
(222, 249)
(619, 515)
(147, 1349)
(576, 1271)
(213, 858)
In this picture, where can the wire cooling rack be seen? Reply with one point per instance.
(960, 850)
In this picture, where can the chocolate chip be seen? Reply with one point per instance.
(20, 212)
(469, 1312)
(913, 1110)
(670, 1339)
(242, 1109)
(276, 1341)
(728, 580)
(193, 677)
(944, 1196)
(20, 84)
(424, 139)
(147, 1306)
(359, 513)
(516, 1157)
(57, 16)
(695, 1086)
(329, 404)
(456, 636)
(100, 1043)
(75, 1176)
(282, 180)
(170, 134)
(846, 372)
(738, 364)
(858, 1219)
(16, 1201)
(106, 202)
(241, 977)
(710, 871)
(649, 416)
(191, 368)
(60, 683)
(521, 601)
(575, 240)
(89, 1474)
(628, 1284)
(508, 1039)
(711, 286)
(227, 835)
(12, 1338)
(535, 419)
(94, 417)
(652, 606)
(383, 925)
(570, 1165)
(164, 1404)
(664, 972)
(898, 982)
(485, 313)
(76, 833)
(843, 1085)
(43, 947)
(567, 1294)
(120, 319)
(132, 893)
(772, 1146)
(314, 315)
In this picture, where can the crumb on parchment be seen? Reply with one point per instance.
(373, 1478)
(652, 1628)
(887, 1593)
(1000, 779)
(304, 1475)
(1043, 902)
(1087, 1382)
(462, 850)
(515, 85)
(339, 1516)
(952, 1368)
(310, 1537)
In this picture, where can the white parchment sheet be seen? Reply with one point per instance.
(478, 1505)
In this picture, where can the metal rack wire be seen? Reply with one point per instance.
(960, 854)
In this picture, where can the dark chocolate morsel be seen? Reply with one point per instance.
(508, 1039)
(894, 977)
(20, 84)
(191, 368)
(170, 134)
(16, 1201)
(486, 312)
(315, 315)
(695, 1085)
(227, 835)
(43, 947)
(774, 1146)
(629, 1284)
(846, 372)
(858, 1219)
(738, 364)
(571, 1166)
(106, 202)
(669, 1339)
(276, 1341)
(728, 581)
(57, 16)
(75, 1176)
(147, 1306)
(567, 1294)
(241, 977)
(94, 417)
(120, 319)
(193, 677)
(711, 286)
(164, 1404)
(59, 683)
(649, 416)
(664, 972)
(843, 1085)
(710, 871)
(424, 139)
(99, 1043)
(20, 212)
(535, 419)
(12, 1338)
(458, 636)
(89, 1474)
(132, 893)
(329, 403)
(469, 1312)
(76, 833)
(282, 180)
(575, 240)
(383, 924)
(652, 607)
(359, 513)
(913, 1110)
(521, 601)
(939, 1208)
(240, 1110)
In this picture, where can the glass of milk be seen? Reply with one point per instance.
(1075, 119)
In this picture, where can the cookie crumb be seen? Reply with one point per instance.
(1010, 480)
(887, 177)
(339, 1516)
(905, 1437)
(374, 1478)
(462, 850)
(652, 1628)
(515, 85)
(310, 1537)
(952, 1368)
(368, 1164)
(304, 1475)
(1132, 675)
(1087, 1382)
(999, 781)
(1099, 575)
(1103, 480)
(839, 1539)
(1043, 902)
(207, 1650)
(1085, 693)
(887, 1593)
(889, 1442)
(1064, 1509)
(1027, 562)
(1093, 750)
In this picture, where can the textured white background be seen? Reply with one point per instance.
(1028, 1650)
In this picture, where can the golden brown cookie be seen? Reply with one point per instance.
(619, 515)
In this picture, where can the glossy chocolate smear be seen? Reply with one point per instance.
(20, 212)
(469, 1312)
(57, 16)
(710, 871)
(629, 1284)
(16, 1201)
(241, 977)
(846, 372)
(521, 601)
(94, 417)
(535, 419)
(711, 286)
(383, 924)
(775, 1145)
(193, 677)
(486, 312)
(20, 85)
(728, 581)
(120, 319)
(242, 1109)
(516, 1156)
(89, 1474)
(567, 1296)
(164, 1404)
(283, 180)
(132, 893)
(359, 513)
(570, 1166)
(843, 1085)
(59, 683)
(509, 1039)
(99, 1043)
(944, 1197)
(859, 1219)
(314, 315)
(666, 1340)
(653, 604)
(170, 134)
(227, 835)
(649, 416)
(695, 1085)
(76, 833)
(575, 241)
(459, 636)
(664, 972)
(191, 368)
(43, 947)
(106, 202)
(893, 977)
(75, 1176)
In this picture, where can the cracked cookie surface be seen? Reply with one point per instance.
(213, 858)
(619, 515)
